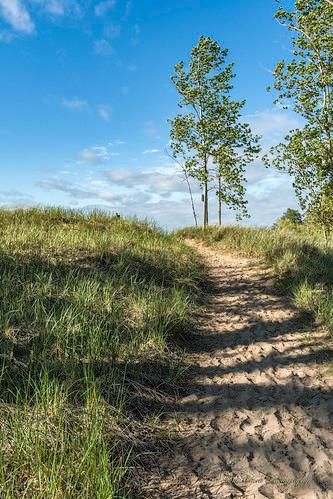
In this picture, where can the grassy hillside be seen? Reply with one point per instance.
(83, 300)
(301, 261)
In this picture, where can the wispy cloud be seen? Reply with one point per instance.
(150, 151)
(59, 7)
(16, 15)
(270, 182)
(55, 7)
(12, 198)
(99, 192)
(272, 122)
(103, 47)
(72, 190)
(97, 155)
(160, 193)
(89, 156)
(103, 7)
(75, 104)
(103, 110)
(156, 180)
(104, 113)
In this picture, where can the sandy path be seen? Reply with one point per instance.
(258, 419)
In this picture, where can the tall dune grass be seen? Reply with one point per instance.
(302, 261)
(80, 298)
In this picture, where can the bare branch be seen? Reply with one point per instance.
(187, 180)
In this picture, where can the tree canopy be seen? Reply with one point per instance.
(304, 84)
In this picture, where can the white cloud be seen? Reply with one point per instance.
(55, 7)
(150, 151)
(75, 104)
(59, 7)
(96, 155)
(161, 193)
(99, 192)
(89, 156)
(72, 190)
(103, 7)
(103, 47)
(12, 198)
(15, 13)
(272, 123)
(271, 181)
(161, 181)
(104, 113)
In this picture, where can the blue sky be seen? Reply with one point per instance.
(86, 92)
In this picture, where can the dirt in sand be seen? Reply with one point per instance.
(257, 420)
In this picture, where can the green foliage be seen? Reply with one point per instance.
(302, 264)
(290, 217)
(305, 85)
(322, 211)
(83, 301)
(209, 140)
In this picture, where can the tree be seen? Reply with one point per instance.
(290, 217)
(305, 84)
(210, 138)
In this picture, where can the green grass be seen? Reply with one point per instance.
(81, 299)
(301, 260)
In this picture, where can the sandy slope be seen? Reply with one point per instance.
(258, 418)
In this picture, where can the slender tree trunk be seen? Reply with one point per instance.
(205, 208)
(192, 200)
(219, 200)
(205, 165)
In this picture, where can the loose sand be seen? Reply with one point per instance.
(257, 420)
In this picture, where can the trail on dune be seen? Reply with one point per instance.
(257, 420)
